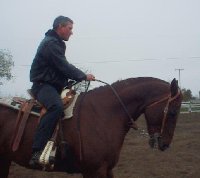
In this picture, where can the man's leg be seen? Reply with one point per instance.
(50, 98)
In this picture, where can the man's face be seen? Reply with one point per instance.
(66, 31)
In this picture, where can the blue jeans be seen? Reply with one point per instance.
(48, 96)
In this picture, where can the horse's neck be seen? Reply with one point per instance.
(107, 107)
(137, 96)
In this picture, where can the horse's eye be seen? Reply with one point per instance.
(172, 113)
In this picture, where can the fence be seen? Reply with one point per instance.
(188, 107)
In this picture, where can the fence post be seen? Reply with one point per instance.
(190, 107)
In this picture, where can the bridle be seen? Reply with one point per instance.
(169, 99)
(156, 137)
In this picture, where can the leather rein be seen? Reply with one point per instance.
(132, 122)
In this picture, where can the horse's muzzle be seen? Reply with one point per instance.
(156, 142)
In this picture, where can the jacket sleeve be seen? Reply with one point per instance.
(57, 60)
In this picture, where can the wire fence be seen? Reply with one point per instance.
(190, 107)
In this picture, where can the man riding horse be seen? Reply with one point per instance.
(49, 73)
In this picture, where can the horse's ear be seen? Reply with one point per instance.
(174, 87)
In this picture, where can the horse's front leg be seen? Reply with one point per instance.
(4, 167)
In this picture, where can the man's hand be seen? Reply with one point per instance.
(90, 77)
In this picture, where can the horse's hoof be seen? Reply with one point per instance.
(34, 162)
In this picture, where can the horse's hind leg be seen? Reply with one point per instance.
(4, 167)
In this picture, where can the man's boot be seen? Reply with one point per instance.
(34, 162)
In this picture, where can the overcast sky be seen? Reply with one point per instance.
(113, 39)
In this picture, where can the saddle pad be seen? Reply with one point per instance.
(10, 102)
(15, 105)
(69, 110)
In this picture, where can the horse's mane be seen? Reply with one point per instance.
(132, 81)
(137, 81)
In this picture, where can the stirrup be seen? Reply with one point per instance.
(47, 158)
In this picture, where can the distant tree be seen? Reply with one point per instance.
(187, 94)
(6, 64)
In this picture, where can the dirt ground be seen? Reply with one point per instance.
(137, 160)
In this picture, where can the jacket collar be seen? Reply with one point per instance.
(53, 33)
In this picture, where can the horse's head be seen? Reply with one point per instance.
(161, 117)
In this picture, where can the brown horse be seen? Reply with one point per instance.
(100, 123)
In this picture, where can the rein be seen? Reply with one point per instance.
(169, 99)
(132, 122)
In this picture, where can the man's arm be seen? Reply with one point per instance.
(58, 60)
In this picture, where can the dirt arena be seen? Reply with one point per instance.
(137, 160)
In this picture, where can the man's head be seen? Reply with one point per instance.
(63, 27)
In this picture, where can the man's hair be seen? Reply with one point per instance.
(61, 20)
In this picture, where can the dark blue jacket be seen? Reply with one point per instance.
(50, 64)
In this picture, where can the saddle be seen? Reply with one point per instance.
(32, 106)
